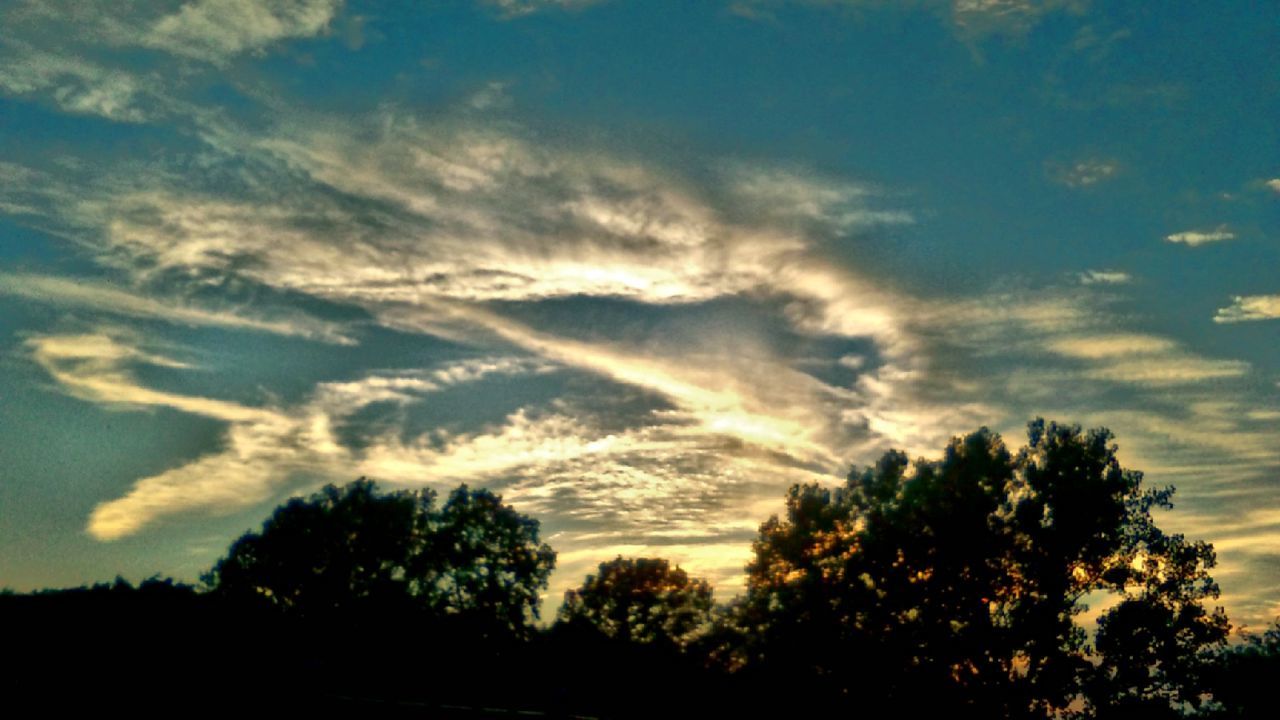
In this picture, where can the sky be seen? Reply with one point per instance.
(636, 266)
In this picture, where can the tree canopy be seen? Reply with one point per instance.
(640, 600)
(356, 548)
(1242, 677)
(957, 586)
(962, 582)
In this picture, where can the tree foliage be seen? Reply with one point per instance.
(640, 600)
(961, 582)
(1242, 677)
(353, 548)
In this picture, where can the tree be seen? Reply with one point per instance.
(354, 549)
(959, 583)
(483, 563)
(1241, 676)
(641, 600)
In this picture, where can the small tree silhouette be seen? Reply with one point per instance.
(354, 550)
(641, 600)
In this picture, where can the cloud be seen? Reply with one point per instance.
(78, 56)
(425, 227)
(1169, 371)
(99, 297)
(1084, 173)
(518, 8)
(972, 20)
(1274, 184)
(1244, 308)
(1195, 238)
(980, 18)
(1105, 277)
(1142, 359)
(1109, 346)
(262, 448)
(94, 367)
(835, 206)
(73, 84)
(216, 30)
(474, 231)
(502, 214)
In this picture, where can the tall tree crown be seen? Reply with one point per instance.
(355, 547)
(963, 580)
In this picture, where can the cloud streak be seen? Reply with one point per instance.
(1105, 277)
(102, 298)
(1196, 238)
(262, 447)
(216, 30)
(520, 8)
(73, 84)
(1245, 308)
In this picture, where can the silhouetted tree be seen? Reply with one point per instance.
(957, 584)
(355, 550)
(641, 600)
(1243, 676)
(483, 562)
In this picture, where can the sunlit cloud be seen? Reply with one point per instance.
(1274, 184)
(1244, 308)
(95, 367)
(478, 233)
(262, 448)
(1168, 371)
(1107, 346)
(1195, 238)
(1142, 359)
(467, 216)
(721, 395)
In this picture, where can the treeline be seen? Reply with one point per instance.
(953, 587)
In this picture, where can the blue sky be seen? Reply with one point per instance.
(637, 266)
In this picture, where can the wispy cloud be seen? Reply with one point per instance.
(1249, 307)
(1083, 173)
(457, 217)
(971, 19)
(95, 367)
(979, 18)
(518, 8)
(1142, 360)
(101, 298)
(1109, 346)
(1105, 277)
(262, 448)
(70, 53)
(1274, 184)
(74, 84)
(216, 30)
(1195, 238)
(476, 232)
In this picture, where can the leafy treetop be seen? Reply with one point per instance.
(356, 548)
(960, 582)
(640, 600)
